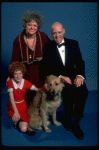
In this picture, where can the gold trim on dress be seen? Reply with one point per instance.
(36, 59)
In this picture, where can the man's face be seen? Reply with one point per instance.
(57, 33)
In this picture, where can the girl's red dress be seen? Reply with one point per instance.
(19, 95)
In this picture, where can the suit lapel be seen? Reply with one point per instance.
(56, 55)
(67, 51)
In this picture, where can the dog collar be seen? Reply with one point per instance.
(44, 90)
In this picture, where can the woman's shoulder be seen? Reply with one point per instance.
(19, 35)
(43, 36)
(41, 33)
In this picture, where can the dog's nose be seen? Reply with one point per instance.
(53, 92)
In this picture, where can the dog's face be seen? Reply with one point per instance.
(54, 85)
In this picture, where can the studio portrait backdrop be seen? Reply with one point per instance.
(80, 20)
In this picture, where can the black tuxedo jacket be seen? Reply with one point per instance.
(52, 62)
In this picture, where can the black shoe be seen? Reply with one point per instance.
(68, 125)
(77, 131)
(16, 126)
(30, 132)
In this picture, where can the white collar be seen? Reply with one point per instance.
(21, 84)
(62, 41)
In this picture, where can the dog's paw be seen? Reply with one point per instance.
(39, 128)
(57, 123)
(48, 123)
(48, 130)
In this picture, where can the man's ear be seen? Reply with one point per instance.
(63, 31)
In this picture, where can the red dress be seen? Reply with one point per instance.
(19, 97)
(22, 52)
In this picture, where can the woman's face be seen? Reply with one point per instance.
(31, 27)
(18, 75)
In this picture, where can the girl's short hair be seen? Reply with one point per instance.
(15, 66)
(32, 15)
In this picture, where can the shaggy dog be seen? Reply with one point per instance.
(45, 103)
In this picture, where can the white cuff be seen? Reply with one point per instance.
(10, 90)
(32, 87)
(76, 76)
(80, 76)
(59, 76)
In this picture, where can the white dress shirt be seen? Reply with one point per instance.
(62, 52)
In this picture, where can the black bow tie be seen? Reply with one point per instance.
(59, 45)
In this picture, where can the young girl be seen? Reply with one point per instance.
(16, 87)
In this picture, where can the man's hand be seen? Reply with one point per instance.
(67, 79)
(78, 81)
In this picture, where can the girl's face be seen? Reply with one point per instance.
(31, 27)
(18, 75)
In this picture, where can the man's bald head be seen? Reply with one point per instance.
(56, 24)
(57, 32)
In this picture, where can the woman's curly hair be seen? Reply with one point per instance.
(15, 66)
(32, 15)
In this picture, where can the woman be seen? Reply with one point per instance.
(28, 46)
(16, 87)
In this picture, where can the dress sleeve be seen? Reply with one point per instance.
(29, 85)
(16, 50)
(9, 86)
(45, 38)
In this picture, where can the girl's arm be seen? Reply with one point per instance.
(33, 87)
(36, 89)
(16, 116)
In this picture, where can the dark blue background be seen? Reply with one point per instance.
(80, 20)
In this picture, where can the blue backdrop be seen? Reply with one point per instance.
(80, 20)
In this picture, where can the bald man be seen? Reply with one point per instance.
(62, 57)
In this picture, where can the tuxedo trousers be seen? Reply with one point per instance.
(74, 99)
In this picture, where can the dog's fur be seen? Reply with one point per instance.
(38, 115)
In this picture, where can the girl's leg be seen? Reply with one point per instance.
(23, 126)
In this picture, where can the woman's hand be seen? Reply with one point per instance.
(16, 117)
(7, 80)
